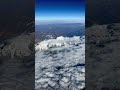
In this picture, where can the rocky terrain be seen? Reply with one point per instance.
(102, 57)
(60, 64)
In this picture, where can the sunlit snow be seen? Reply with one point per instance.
(60, 63)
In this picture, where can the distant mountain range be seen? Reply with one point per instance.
(67, 30)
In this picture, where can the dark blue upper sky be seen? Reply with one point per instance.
(56, 10)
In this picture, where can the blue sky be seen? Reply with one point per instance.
(59, 10)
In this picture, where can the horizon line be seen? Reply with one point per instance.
(59, 20)
(60, 23)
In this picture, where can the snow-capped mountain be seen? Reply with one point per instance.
(59, 64)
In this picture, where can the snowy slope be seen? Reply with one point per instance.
(60, 64)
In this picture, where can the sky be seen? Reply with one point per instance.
(54, 11)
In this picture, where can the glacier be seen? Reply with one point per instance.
(60, 64)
